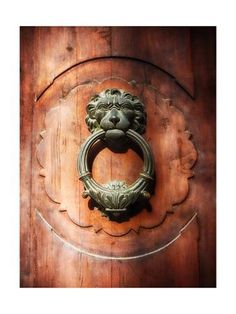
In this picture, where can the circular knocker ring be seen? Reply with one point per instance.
(114, 106)
(118, 197)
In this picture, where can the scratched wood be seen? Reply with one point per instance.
(63, 242)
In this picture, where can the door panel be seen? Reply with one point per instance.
(63, 47)
(65, 239)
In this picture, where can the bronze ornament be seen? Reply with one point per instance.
(115, 116)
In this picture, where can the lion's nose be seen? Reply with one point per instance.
(114, 118)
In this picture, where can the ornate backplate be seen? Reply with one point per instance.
(60, 131)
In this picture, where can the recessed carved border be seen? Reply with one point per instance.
(60, 144)
(112, 257)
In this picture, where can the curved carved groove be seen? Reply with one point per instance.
(174, 157)
(106, 257)
(116, 57)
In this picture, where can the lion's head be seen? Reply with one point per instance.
(115, 111)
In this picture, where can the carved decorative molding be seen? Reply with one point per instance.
(173, 152)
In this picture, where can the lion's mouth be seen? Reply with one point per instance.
(114, 134)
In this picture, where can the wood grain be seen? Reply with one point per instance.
(52, 238)
(65, 131)
(157, 270)
(165, 47)
(26, 114)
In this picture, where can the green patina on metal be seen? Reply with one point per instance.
(115, 116)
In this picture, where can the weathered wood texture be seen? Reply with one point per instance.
(63, 242)
(26, 120)
(165, 47)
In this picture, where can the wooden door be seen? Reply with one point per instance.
(168, 241)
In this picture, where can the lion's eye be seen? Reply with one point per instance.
(91, 111)
(127, 107)
(102, 107)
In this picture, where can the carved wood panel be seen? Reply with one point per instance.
(65, 241)
(62, 129)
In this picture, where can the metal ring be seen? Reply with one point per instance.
(116, 196)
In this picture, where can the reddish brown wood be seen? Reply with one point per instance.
(52, 207)
(65, 131)
(204, 46)
(26, 114)
(165, 47)
(175, 266)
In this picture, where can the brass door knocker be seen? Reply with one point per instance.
(113, 116)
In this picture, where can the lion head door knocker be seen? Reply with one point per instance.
(115, 116)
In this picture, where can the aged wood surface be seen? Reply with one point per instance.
(203, 46)
(65, 131)
(63, 242)
(165, 47)
(67, 267)
(26, 114)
